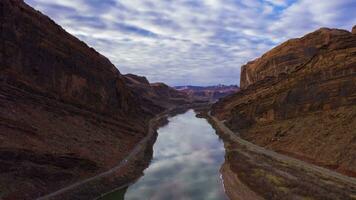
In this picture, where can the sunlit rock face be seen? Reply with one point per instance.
(295, 54)
(297, 98)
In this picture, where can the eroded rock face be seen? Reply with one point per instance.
(66, 112)
(294, 54)
(155, 97)
(314, 78)
(40, 57)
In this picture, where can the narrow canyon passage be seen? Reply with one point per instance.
(186, 162)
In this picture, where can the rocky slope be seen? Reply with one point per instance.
(66, 112)
(208, 93)
(155, 97)
(300, 99)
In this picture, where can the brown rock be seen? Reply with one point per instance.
(292, 55)
(155, 97)
(354, 30)
(66, 112)
(299, 98)
(208, 93)
(40, 57)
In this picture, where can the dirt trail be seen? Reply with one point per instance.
(233, 136)
(281, 157)
(123, 163)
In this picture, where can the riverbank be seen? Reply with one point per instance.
(127, 171)
(185, 165)
(275, 176)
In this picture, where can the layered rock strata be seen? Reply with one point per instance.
(300, 99)
(155, 97)
(66, 112)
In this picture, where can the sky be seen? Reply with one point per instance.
(192, 42)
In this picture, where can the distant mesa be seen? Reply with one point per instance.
(208, 93)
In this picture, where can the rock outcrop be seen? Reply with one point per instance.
(155, 97)
(66, 112)
(300, 99)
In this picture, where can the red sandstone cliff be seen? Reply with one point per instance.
(66, 112)
(300, 99)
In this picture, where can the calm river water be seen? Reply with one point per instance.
(186, 162)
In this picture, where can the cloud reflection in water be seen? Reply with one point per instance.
(187, 159)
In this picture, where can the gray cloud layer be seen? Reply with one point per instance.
(199, 42)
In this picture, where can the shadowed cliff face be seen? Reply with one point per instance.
(40, 57)
(154, 97)
(66, 112)
(300, 98)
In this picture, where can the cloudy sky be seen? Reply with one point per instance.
(197, 42)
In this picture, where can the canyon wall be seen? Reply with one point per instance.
(155, 97)
(40, 57)
(66, 112)
(300, 99)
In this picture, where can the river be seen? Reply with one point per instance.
(186, 162)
